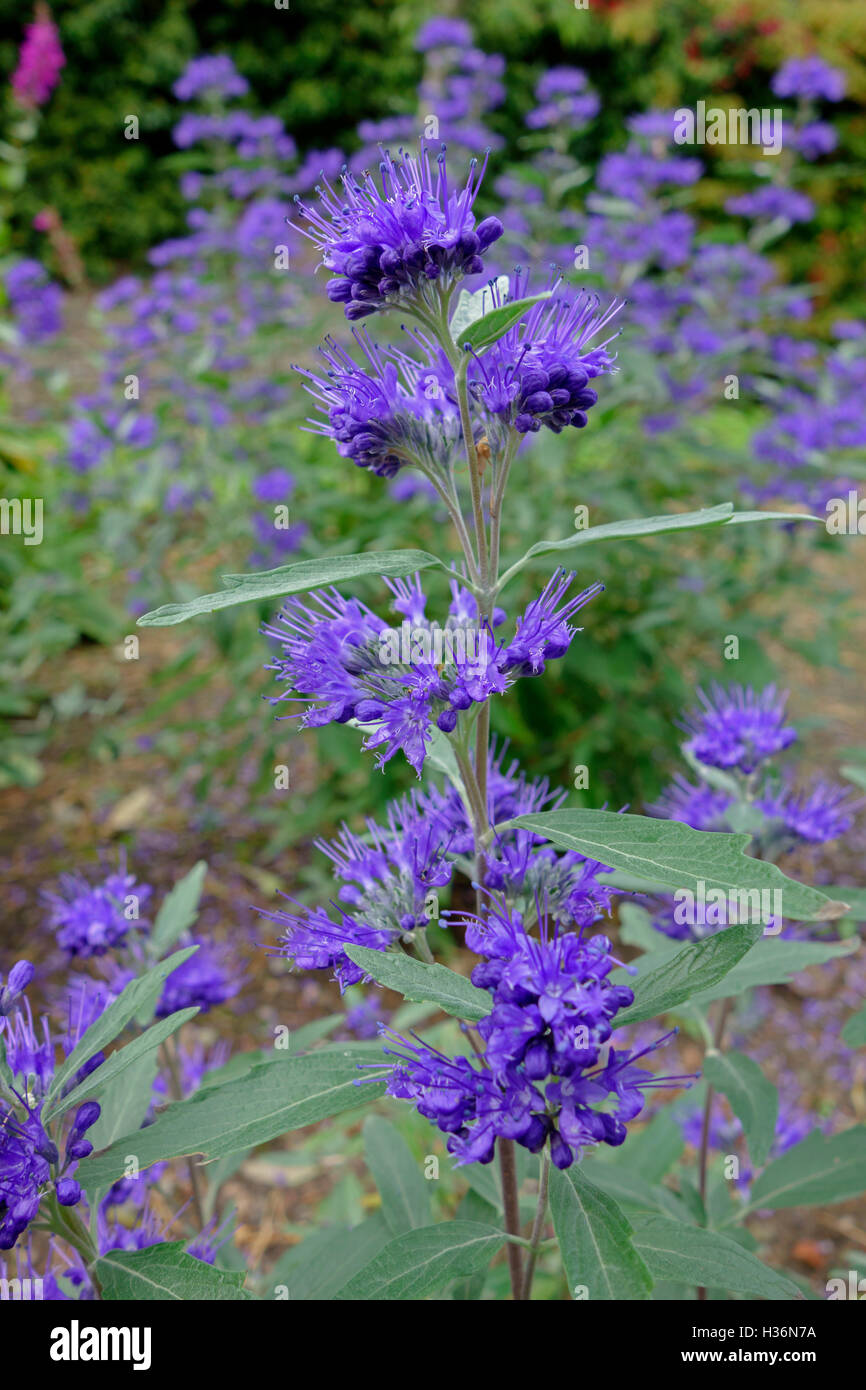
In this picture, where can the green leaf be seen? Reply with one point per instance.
(672, 855)
(691, 1255)
(270, 1100)
(483, 1180)
(854, 1032)
(816, 1171)
(772, 961)
(722, 515)
(123, 1109)
(106, 1028)
(402, 1186)
(123, 1058)
(470, 305)
(414, 1264)
(164, 1272)
(292, 579)
(311, 1033)
(424, 983)
(630, 1189)
(483, 332)
(691, 970)
(178, 911)
(318, 1268)
(854, 897)
(753, 1098)
(6, 1077)
(653, 1150)
(857, 775)
(595, 1240)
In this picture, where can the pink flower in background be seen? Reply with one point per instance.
(39, 61)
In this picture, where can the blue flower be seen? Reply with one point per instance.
(91, 919)
(29, 1158)
(387, 241)
(203, 981)
(390, 411)
(809, 77)
(539, 372)
(738, 728)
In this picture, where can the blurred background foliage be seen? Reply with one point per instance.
(323, 69)
(137, 523)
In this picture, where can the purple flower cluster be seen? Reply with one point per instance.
(739, 730)
(203, 981)
(460, 86)
(563, 100)
(36, 302)
(772, 202)
(817, 430)
(213, 77)
(390, 879)
(91, 919)
(30, 1161)
(737, 727)
(387, 879)
(385, 241)
(344, 663)
(391, 411)
(811, 78)
(538, 373)
(543, 1076)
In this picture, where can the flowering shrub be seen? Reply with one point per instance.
(536, 1058)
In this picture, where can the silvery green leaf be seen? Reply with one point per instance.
(472, 305)
(292, 579)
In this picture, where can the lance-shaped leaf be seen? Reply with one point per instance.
(416, 980)
(638, 527)
(421, 1261)
(854, 1032)
(854, 897)
(668, 854)
(317, 1269)
(690, 971)
(816, 1171)
(109, 1024)
(178, 911)
(270, 1100)
(404, 1190)
(125, 1102)
(123, 1058)
(688, 1254)
(166, 1273)
(629, 1188)
(753, 1098)
(292, 579)
(595, 1241)
(471, 305)
(488, 329)
(772, 961)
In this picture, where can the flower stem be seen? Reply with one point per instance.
(537, 1225)
(67, 1224)
(170, 1058)
(508, 1174)
(718, 1035)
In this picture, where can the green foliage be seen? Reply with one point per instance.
(601, 1263)
(418, 981)
(672, 855)
(754, 1100)
(164, 1272)
(421, 1261)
